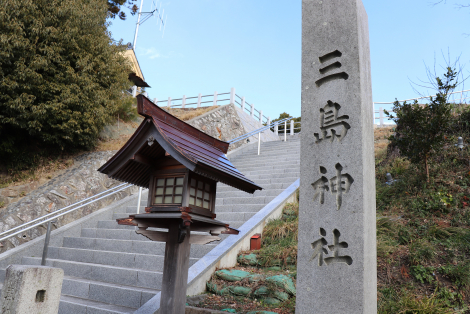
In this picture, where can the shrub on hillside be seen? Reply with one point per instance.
(420, 131)
(60, 76)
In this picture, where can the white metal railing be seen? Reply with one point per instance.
(51, 217)
(460, 100)
(218, 99)
(261, 130)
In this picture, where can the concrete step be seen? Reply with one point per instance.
(245, 200)
(130, 246)
(258, 177)
(219, 209)
(238, 193)
(237, 216)
(260, 163)
(104, 273)
(112, 224)
(74, 305)
(277, 186)
(120, 259)
(120, 295)
(268, 167)
(118, 234)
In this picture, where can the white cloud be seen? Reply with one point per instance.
(151, 53)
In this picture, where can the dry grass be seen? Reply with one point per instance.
(47, 169)
(381, 141)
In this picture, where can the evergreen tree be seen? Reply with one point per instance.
(60, 75)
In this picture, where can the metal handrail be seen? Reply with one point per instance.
(264, 128)
(59, 213)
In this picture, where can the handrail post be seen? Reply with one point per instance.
(215, 99)
(269, 123)
(169, 103)
(276, 130)
(139, 199)
(285, 131)
(259, 143)
(134, 91)
(183, 102)
(381, 116)
(232, 95)
(291, 127)
(243, 104)
(261, 116)
(252, 110)
(199, 100)
(155, 101)
(46, 243)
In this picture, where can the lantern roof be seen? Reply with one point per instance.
(162, 134)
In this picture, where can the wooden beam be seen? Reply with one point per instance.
(144, 160)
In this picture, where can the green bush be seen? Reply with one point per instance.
(60, 76)
(420, 131)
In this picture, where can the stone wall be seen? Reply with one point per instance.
(75, 184)
(228, 122)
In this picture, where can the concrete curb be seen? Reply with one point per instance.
(225, 254)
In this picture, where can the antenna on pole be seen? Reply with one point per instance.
(155, 12)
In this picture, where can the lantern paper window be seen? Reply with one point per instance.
(199, 194)
(169, 190)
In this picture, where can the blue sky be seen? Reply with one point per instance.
(255, 47)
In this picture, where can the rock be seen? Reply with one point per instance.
(232, 275)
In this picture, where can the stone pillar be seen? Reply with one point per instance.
(31, 289)
(337, 250)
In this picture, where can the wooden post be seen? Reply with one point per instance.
(215, 99)
(175, 272)
(199, 100)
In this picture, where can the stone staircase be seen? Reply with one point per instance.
(111, 269)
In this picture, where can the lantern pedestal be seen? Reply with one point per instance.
(175, 272)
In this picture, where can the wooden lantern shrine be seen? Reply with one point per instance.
(180, 165)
